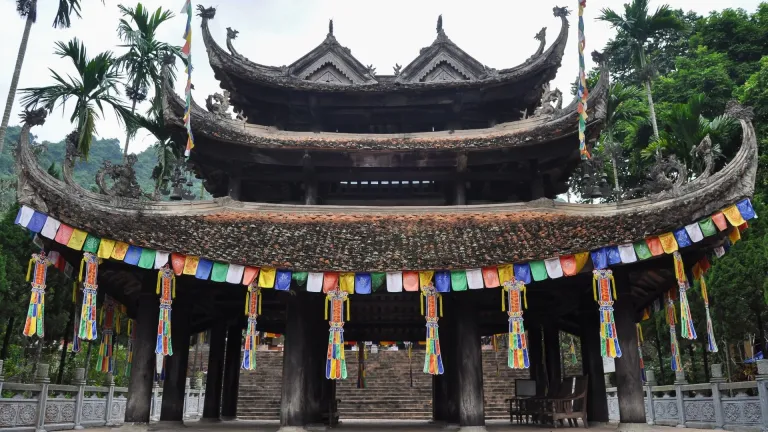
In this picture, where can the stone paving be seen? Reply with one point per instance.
(374, 426)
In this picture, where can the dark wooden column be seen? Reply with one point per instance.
(552, 358)
(172, 409)
(143, 366)
(235, 187)
(321, 392)
(628, 376)
(215, 378)
(469, 361)
(232, 371)
(294, 405)
(536, 358)
(445, 401)
(310, 181)
(592, 362)
(460, 197)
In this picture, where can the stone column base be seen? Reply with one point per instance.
(210, 420)
(129, 427)
(228, 418)
(472, 429)
(635, 427)
(292, 429)
(167, 424)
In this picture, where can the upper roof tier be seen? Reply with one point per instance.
(330, 78)
(354, 238)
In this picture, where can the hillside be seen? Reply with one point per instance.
(107, 149)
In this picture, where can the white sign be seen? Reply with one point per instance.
(609, 365)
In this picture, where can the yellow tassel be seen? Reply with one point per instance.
(704, 294)
(74, 292)
(326, 308)
(29, 269)
(82, 264)
(159, 278)
(594, 287)
(525, 296)
(258, 293)
(173, 286)
(247, 300)
(347, 302)
(439, 297)
(613, 285)
(503, 303)
(422, 299)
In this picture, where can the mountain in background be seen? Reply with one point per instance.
(107, 149)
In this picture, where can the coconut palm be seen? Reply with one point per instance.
(142, 63)
(28, 9)
(94, 86)
(636, 27)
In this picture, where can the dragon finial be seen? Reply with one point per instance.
(738, 111)
(561, 12)
(440, 23)
(397, 69)
(598, 57)
(330, 26)
(541, 35)
(206, 13)
(232, 33)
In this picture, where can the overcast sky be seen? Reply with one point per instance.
(498, 33)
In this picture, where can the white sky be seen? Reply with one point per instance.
(498, 33)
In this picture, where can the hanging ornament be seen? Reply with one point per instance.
(711, 344)
(89, 265)
(572, 350)
(166, 288)
(131, 343)
(518, 341)
(252, 310)
(640, 350)
(674, 348)
(582, 91)
(36, 312)
(336, 365)
(686, 321)
(110, 325)
(433, 360)
(604, 291)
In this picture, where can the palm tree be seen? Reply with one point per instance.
(143, 61)
(28, 9)
(94, 86)
(635, 28)
(623, 112)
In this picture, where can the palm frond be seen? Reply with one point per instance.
(65, 11)
(87, 130)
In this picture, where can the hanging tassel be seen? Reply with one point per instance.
(640, 351)
(90, 264)
(572, 350)
(433, 359)
(131, 342)
(106, 360)
(166, 282)
(336, 364)
(674, 348)
(711, 344)
(253, 309)
(36, 312)
(686, 320)
(604, 291)
(518, 341)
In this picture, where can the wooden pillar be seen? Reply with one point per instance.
(536, 358)
(143, 366)
(172, 409)
(235, 188)
(469, 362)
(460, 197)
(592, 363)
(320, 391)
(628, 376)
(552, 358)
(310, 192)
(294, 405)
(232, 371)
(215, 378)
(537, 181)
(445, 401)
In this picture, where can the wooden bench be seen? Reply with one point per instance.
(571, 405)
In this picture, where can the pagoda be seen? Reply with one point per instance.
(425, 197)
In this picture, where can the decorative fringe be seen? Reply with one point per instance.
(186, 52)
(582, 91)
(640, 350)
(686, 320)
(677, 365)
(90, 264)
(166, 288)
(362, 356)
(36, 312)
(604, 291)
(131, 342)
(109, 326)
(518, 342)
(711, 344)
(252, 310)
(336, 364)
(432, 309)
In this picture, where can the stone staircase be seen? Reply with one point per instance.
(388, 393)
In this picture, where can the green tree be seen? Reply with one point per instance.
(635, 28)
(28, 9)
(143, 61)
(94, 86)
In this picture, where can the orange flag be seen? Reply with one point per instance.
(411, 281)
(568, 263)
(654, 245)
(330, 281)
(719, 220)
(491, 277)
(249, 275)
(177, 261)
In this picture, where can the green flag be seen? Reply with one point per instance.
(219, 272)
(147, 259)
(641, 250)
(538, 270)
(459, 280)
(91, 244)
(300, 278)
(707, 227)
(377, 280)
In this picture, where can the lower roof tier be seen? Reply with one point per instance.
(338, 238)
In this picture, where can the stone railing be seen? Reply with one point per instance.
(193, 402)
(43, 406)
(46, 407)
(716, 404)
